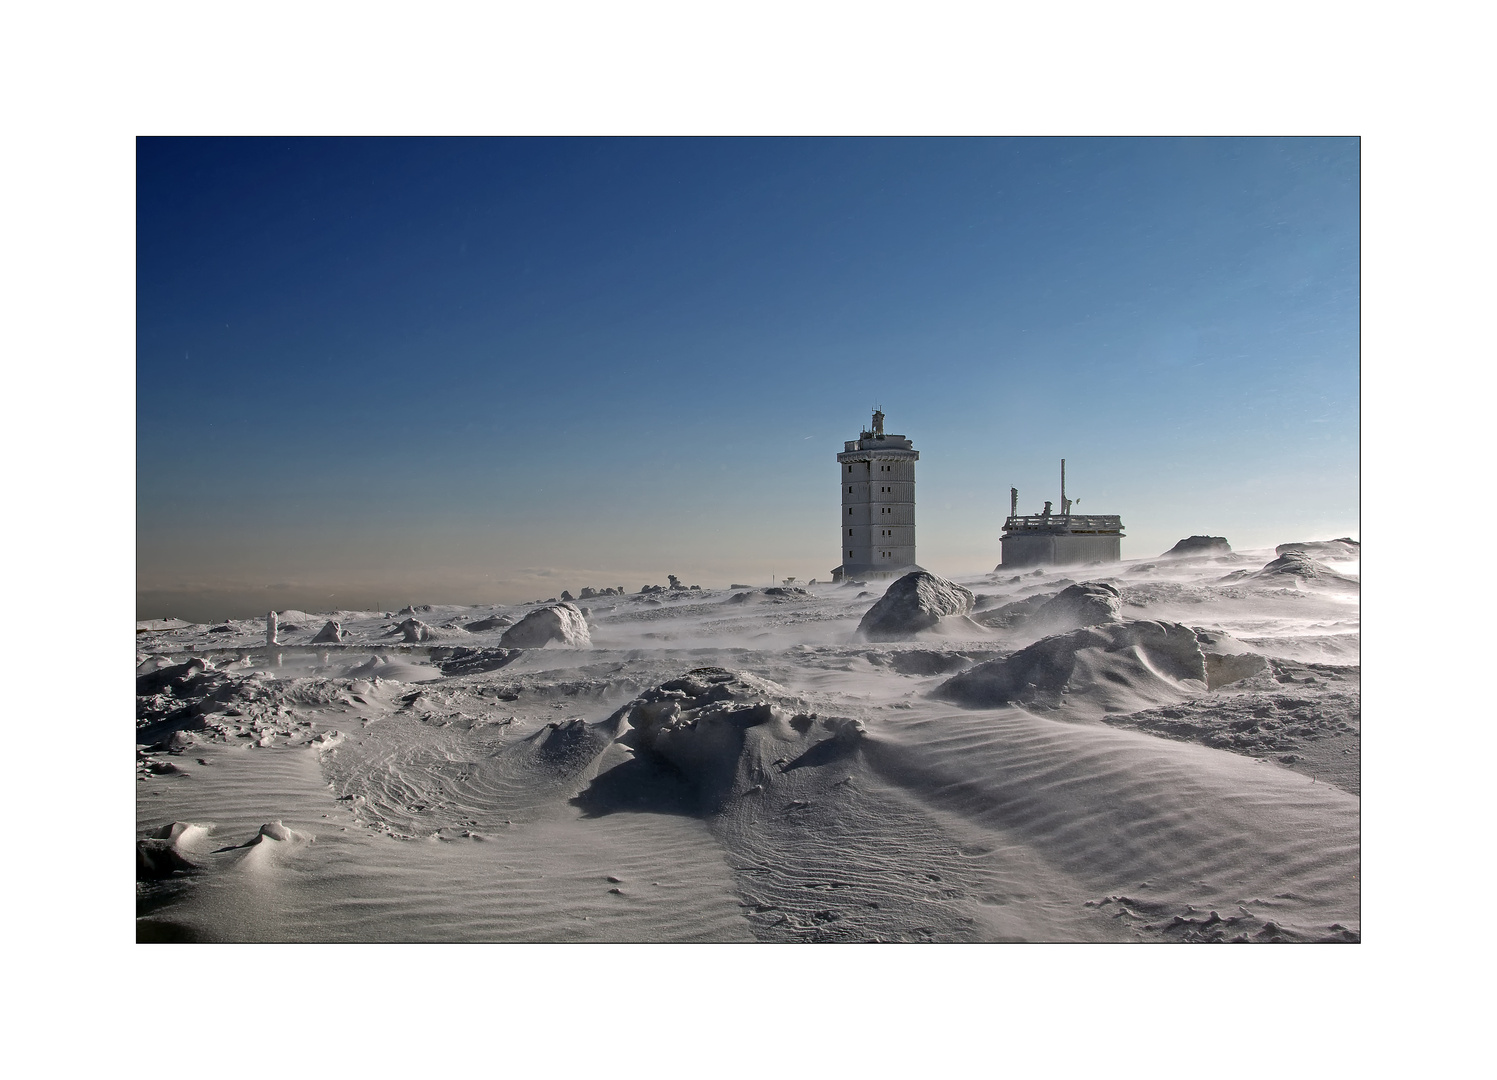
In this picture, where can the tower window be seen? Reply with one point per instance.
(849, 532)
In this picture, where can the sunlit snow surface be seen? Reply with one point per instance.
(815, 791)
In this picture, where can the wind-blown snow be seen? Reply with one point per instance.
(1170, 753)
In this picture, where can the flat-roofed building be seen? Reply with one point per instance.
(1063, 539)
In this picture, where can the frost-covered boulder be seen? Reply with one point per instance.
(414, 630)
(916, 602)
(1120, 665)
(332, 632)
(1089, 603)
(561, 623)
(731, 735)
(1199, 545)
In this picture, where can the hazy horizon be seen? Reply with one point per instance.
(380, 372)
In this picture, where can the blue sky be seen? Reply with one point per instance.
(391, 371)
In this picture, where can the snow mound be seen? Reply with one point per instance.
(332, 631)
(916, 602)
(777, 594)
(466, 661)
(156, 859)
(393, 669)
(1113, 667)
(493, 622)
(159, 855)
(561, 623)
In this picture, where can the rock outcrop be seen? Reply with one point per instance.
(1199, 545)
(1342, 549)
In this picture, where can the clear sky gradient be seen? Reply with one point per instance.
(375, 372)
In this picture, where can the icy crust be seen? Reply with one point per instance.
(730, 733)
(916, 602)
(1113, 666)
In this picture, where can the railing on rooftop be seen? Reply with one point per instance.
(1064, 523)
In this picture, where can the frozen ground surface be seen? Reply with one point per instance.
(806, 786)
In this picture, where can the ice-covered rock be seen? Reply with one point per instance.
(413, 631)
(1121, 665)
(1294, 567)
(731, 734)
(1014, 614)
(562, 623)
(916, 602)
(1199, 545)
(1335, 550)
(331, 632)
(1227, 659)
(1089, 603)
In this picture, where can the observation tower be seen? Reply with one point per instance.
(878, 505)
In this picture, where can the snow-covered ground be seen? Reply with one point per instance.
(722, 765)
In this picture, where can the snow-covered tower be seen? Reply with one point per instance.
(878, 505)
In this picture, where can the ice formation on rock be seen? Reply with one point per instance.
(561, 623)
(915, 602)
(1199, 545)
(330, 633)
